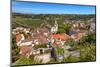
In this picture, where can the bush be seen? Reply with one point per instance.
(90, 38)
(71, 42)
(25, 61)
(64, 28)
(89, 54)
(61, 31)
(15, 50)
(72, 59)
(59, 50)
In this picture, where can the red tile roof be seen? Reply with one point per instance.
(62, 36)
(55, 44)
(78, 36)
(25, 50)
(42, 39)
(18, 37)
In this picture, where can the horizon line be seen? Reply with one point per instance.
(55, 13)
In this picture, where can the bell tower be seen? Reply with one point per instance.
(56, 26)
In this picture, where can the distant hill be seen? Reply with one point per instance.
(35, 20)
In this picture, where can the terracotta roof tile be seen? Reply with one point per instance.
(18, 37)
(25, 50)
(62, 36)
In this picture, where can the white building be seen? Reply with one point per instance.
(92, 27)
(54, 29)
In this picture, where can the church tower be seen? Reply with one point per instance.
(56, 26)
(54, 29)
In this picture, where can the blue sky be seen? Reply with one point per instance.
(46, 8)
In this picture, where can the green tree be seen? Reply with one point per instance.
(59, 50)
(15, 50)
(71, 42)
(64, 28)
(90, 38)
(61, 31)
(89, 54)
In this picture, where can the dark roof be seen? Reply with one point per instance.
(72, 32)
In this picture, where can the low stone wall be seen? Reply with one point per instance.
(43, 58)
